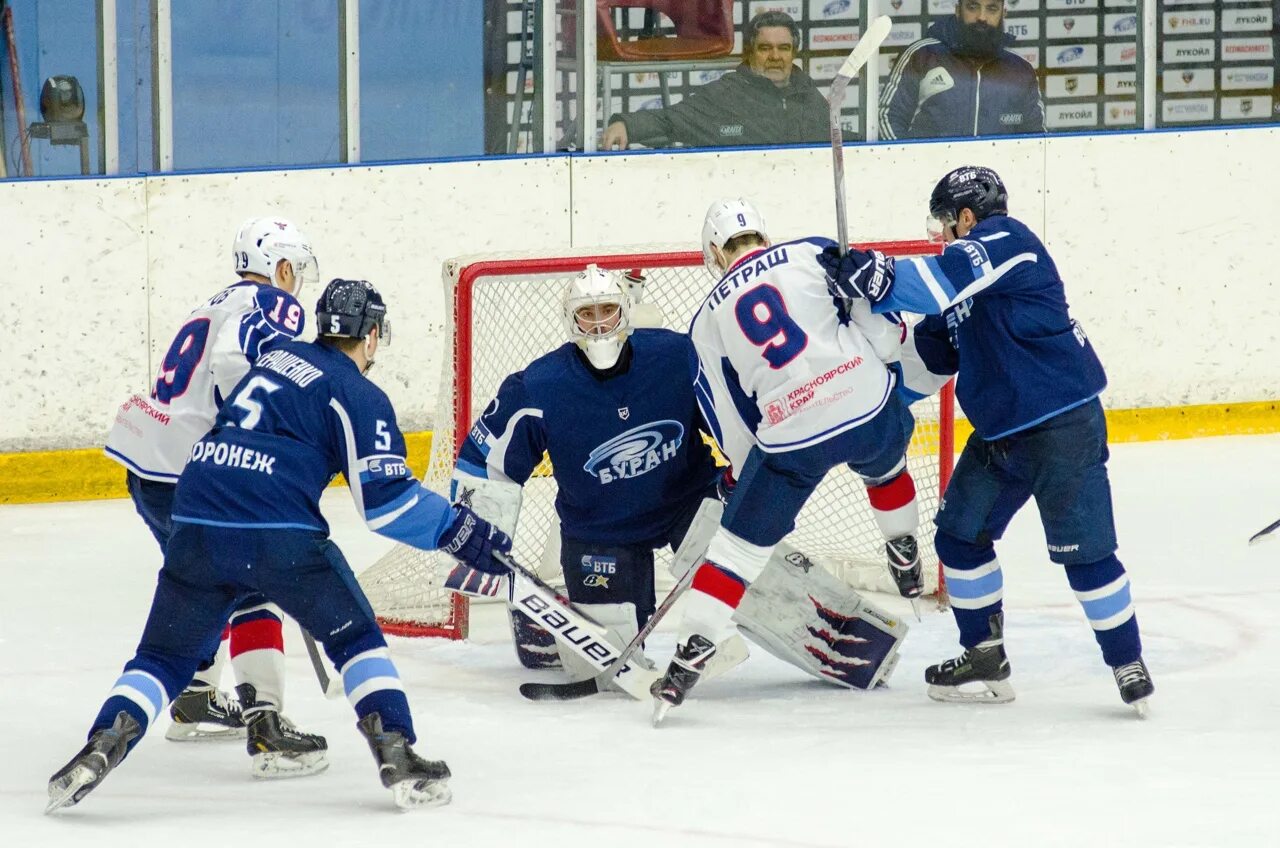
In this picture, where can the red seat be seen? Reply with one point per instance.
(704, 30)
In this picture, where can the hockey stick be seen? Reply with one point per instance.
(877, 31)
(330, 686)
(1265, 533)
(572, 628)
(601, 682)
(868, 44)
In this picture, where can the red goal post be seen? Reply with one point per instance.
(503, 312)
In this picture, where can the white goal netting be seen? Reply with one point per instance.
(505, 312)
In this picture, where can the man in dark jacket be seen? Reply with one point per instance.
(961, 80)
(765, 100)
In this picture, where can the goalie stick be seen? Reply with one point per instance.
(602, 681)
(1265, 533)
(573, 629)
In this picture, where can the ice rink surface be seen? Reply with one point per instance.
(763, 757)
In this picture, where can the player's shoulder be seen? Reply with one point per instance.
(660, 339)
(549, 369)
(1003, 228)
(816, 244)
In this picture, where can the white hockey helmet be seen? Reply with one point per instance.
(597, 315)
(261, 243)
(726, 219)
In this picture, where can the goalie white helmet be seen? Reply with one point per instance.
(597, 315)
(261, 243)
(725, 220)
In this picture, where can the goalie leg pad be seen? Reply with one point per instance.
(535, 647)
(804, 616)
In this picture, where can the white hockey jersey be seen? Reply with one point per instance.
(782, 366)
(153, 433)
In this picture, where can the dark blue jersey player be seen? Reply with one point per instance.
(1028, 380)
(246, 518)
(615, 410)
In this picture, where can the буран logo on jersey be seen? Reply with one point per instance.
(635, 452)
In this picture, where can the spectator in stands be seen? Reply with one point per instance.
(767, 99)
(961, 80)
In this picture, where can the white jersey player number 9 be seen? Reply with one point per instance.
(762, 317)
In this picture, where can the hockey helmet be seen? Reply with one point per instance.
(261, 243)
(727, 219)
(971, 187)
(350, 309)
(597, 315)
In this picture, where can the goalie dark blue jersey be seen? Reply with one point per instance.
(302, 414)
(998, 318)
(626, 451)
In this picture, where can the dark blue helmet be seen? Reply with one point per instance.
(350, 309)
(971, 187)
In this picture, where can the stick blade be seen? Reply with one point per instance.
(877, 31)
(1265, 534)
(559, 691)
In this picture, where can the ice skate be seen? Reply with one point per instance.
(95, 761)
(905, 566)
(204, 715)
(278, 749)
(1134, 682)
(985, 664)
(413, 781)
(685, 670)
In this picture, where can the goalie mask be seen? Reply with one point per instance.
(725, 220)
(261, 243)
(597, 315)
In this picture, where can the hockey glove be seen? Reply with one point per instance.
(474, 541)
(866, 274)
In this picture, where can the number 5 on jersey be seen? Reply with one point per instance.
(763, 317)
(245, 400)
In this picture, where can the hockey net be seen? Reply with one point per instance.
(504, 312)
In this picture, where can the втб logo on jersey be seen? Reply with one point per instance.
(637, 451)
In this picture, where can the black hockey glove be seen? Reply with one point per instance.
(859, 273)
(474, 541)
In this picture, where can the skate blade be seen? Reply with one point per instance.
(993, 692)
(660, 710)
(62, 792)
(413, 794)
(277, 766)
(185, 731)
(1141, 707)
(915, 608)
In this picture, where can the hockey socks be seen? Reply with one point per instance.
(728, 567)
(373, 685)
(893, 503)
(1102, 588)
(975, 585)
(257, 652)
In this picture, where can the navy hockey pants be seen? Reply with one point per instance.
(1061, 463)
(622, 574)
(773, 487)
(154, 502)
(208, 570)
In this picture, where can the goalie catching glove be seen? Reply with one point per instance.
(474, 541)
(866, 274)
